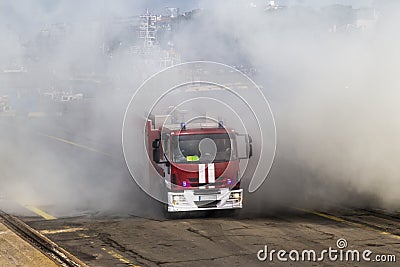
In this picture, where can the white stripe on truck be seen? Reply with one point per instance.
(211, 173)
(202, 173)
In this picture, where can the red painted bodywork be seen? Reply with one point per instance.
(189, 173)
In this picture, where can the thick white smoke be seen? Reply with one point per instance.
(333, 89)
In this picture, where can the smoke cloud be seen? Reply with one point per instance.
(333, 87)
(333, 92)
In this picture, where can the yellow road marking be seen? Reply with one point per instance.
(84, 236)
(40, 212)
(120, 257)
(74, 144)
(65, 230)
(337, 219)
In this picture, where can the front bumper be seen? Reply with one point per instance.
(205, 199)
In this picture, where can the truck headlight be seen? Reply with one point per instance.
(178, 199)
(236, 196)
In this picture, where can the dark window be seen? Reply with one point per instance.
(186, 148)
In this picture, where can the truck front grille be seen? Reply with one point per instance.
(207, 204)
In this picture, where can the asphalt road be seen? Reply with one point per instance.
(219, 240)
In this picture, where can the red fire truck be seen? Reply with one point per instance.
(199, 162)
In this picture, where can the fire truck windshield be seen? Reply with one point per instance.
(203, 148)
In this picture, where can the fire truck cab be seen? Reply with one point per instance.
(199, 162)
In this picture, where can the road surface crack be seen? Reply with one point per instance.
(198, 232)
(105, 238)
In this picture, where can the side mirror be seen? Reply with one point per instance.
(156, 154)
(249, 146)
(156, 143)
(250, 150)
